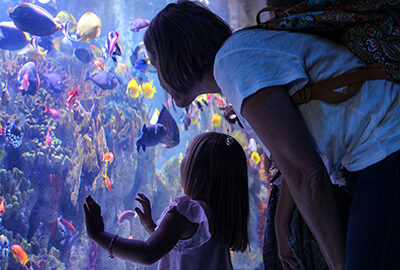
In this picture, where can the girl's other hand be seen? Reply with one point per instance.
(93, 218)
(145, 215)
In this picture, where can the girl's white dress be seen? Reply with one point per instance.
(201, 251)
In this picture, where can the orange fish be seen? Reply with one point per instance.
(66, 224)
(72, 96)
(108, 157)
(108, 182)
(2, 207)
(19, 254)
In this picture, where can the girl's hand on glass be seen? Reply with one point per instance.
(145, 215)
(93, 218)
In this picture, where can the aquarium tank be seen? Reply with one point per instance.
(75, 95)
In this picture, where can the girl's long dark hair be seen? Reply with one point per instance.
(183, 39)
(216, 173)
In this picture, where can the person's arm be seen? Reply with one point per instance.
(281, 128)
(172, 228)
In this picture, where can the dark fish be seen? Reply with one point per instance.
(54, 81)
(105, 80)
(11, 38)
(14, 136)
(28, 79)
(165, 131)
(33, 19)
(141, 65)
(83, 55)
(139, 24)
(46, 43)
(113, 46)
(186, 120)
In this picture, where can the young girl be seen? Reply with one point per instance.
(197, 230)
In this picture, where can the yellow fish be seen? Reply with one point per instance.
(216, 120)
(88, 28)
(133, 89)
(255, 157)
(64, 16)
(148, 90)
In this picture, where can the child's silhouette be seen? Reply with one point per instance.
(197, 230)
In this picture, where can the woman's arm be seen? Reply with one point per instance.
(281, 128)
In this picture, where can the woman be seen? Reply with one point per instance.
(257, 70)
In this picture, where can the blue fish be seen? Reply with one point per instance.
(141, 64)
(83, 55)
(33, 19)
(11, 38)
(53, 80)
(165, 131)
(28, 79)
(104, 79)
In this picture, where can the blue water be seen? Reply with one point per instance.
(51, 155)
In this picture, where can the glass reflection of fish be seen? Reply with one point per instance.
(14, 135)
(164, 132)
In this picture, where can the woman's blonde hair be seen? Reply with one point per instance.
(216, 173)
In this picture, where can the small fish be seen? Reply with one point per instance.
(28, 79)
(252, 145)
(1, 130)
(133, 89)
(255, 157)
(53, 80)
(139, 24)
(4, 246)
(164, 132)
(19, 254)
(105, 80)
(66, 224)
(52, 111)
(14, 136)
(108, 182)
(108, 157)
(48, 137)
(186, 120)
(216, 120)
(2, 207)
(141, 64)
(126, 215)
(83, 55)
(12, 38)
(88, 28)
(72, 96)
(113, 46)
(148, 90)
(33, 19)
(5, 95)
(63, 16)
